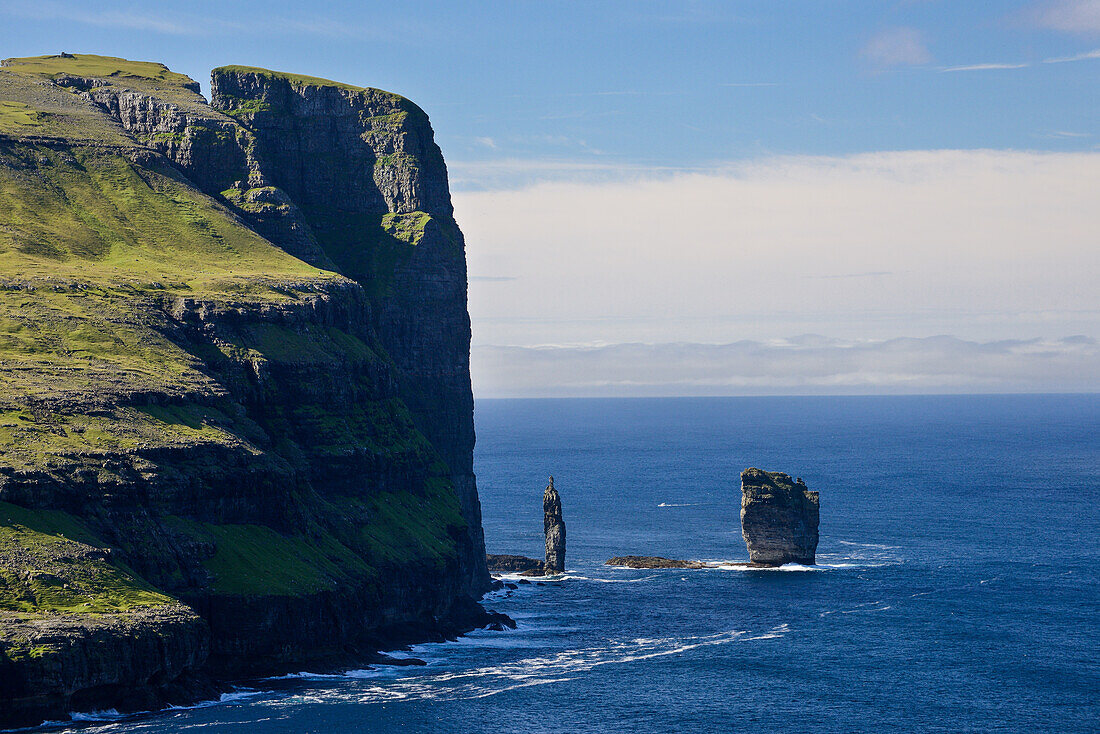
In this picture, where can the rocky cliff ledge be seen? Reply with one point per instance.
(779, 518)
(236, 424)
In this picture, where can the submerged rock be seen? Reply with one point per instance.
(554, 527)
(499, 622)
(779, 518)
(654, 562)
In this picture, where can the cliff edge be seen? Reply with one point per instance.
(236, 425)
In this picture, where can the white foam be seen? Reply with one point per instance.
(787, 568)
(238, 694)
(306, 675)
(614, 581)
(104, 715)
(869, 545)
(675, 504)
(514, 577)
(548, 669)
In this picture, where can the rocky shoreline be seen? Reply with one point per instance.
(138, 663)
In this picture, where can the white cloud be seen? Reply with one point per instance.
(897, 47)
(1071, 16)
(807, 365)
(980, 244)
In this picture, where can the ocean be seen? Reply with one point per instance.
(956, 588)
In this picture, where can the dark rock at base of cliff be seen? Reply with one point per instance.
(384, 659)
(654, 562)
(779, 518)
(514, 564)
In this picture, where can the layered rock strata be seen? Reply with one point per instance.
(779, 518)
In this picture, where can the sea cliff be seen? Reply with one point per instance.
(779, 518)
(236, 425)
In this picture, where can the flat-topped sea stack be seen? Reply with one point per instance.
(779, 518)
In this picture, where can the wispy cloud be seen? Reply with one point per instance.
(1070, 16)
(985, 67)
(750, 84)
(1086, 56)
(129, 19)
(1066, 135)
(897, 47)
(803, 365)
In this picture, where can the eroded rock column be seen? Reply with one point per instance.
(554, 527)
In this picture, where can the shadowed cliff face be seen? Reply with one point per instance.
(366, 174)
(235, 409)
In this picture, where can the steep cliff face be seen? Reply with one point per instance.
(363, 168)
(235, 411)
(779, 518)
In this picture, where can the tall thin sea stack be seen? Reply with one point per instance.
(779, 518)
(554, 527)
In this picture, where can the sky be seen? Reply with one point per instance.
(729, 197)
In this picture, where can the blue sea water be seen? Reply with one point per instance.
(957, 587)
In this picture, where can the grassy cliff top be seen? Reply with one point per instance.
(300, 80)
(97, 67)
(46, 86)
(33, 106)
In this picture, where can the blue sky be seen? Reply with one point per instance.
(635, 82)
(862, 196)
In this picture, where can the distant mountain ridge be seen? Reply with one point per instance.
(236, 425)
